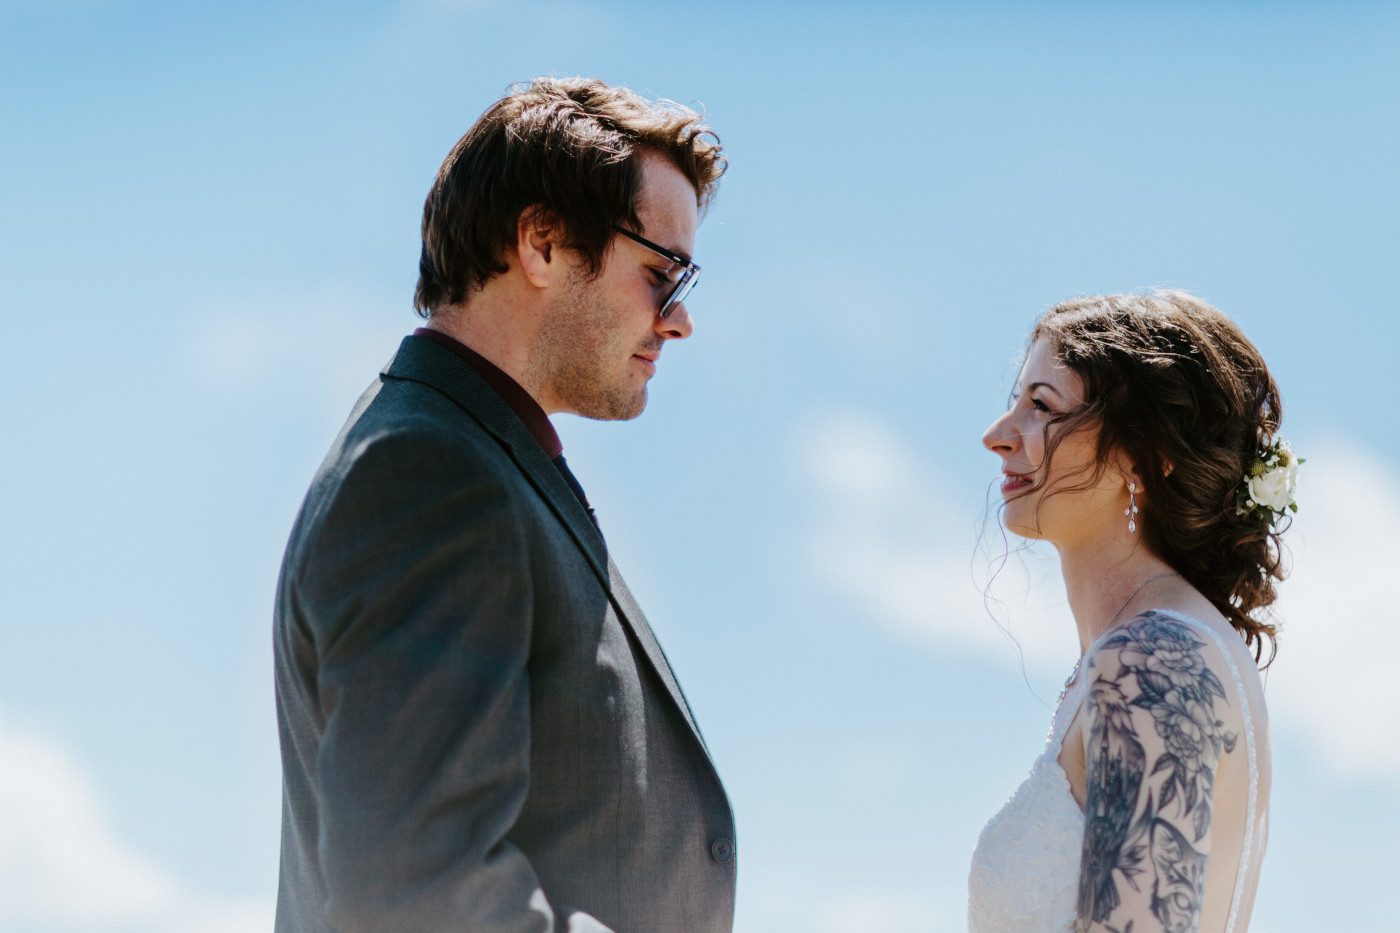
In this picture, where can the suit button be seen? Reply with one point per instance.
(721, 850)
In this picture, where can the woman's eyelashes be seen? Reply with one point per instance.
(1034, 402)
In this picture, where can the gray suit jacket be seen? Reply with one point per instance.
(479, 731)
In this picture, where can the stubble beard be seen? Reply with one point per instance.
(581, 359)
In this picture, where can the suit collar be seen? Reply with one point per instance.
(422, 360)
(510, 391)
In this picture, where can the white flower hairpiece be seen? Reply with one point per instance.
(1268, 489)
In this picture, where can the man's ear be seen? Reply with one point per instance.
(538, 238)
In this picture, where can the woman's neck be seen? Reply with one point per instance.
(1107, 584)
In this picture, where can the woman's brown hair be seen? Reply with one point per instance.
(1175, 388)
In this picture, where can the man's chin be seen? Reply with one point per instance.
(613, 408)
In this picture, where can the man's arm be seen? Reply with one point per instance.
(416, 592)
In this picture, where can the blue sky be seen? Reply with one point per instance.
(209, 224)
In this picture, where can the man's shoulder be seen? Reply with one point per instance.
(406, 450)
(410, 480)
(403, 416)
(407, 439)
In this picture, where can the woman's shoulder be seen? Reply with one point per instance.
(1166, 729)
(1172, 656)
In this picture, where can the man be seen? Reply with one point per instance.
(479, 730)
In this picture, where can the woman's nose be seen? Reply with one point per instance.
(999, 438)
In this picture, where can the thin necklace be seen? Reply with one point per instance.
(1113, 618)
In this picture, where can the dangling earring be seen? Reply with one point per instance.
(1132, 509)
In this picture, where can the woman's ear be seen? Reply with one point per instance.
(1127, 471)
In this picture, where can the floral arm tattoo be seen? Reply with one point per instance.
(1149, 673)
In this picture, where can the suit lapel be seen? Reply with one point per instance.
(628, 609)
(421, 360)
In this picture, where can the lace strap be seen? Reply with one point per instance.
(1242, 873)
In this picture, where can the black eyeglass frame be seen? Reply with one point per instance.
(684, 284)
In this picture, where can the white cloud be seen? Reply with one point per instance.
(911, 558)
(875, 770)
(62, 867)
(333, 339)
(59, 861)
(788, 902)
(904, 553)
(1335, 673)
(863, 912)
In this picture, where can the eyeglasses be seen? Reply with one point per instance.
(682, 272)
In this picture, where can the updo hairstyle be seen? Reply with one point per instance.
(1174, 386)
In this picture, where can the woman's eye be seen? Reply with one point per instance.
(1038, 405)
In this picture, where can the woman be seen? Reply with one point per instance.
(1140, 442)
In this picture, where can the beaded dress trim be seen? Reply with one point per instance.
(1025, 868)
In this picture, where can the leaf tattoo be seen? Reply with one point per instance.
(1180, 883)
(1116, 762)
(1122, 838)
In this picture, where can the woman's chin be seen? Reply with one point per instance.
(1019, 525)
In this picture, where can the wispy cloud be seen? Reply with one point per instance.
(59, 860)
(64, 870)
(788, 902)
(1335, 674)
(911, 558)
(331, 340)
(875, 770)
(874, 912)
(904, 555)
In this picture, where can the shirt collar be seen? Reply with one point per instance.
(521, 402)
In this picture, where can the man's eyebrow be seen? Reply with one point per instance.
(669, 248)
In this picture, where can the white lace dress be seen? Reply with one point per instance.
(1025, 868)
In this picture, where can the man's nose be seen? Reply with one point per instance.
(677, 325)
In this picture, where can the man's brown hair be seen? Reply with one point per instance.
(567, 147)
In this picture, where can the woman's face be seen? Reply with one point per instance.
(1060, 511)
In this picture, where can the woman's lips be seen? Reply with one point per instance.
(1012, 482)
